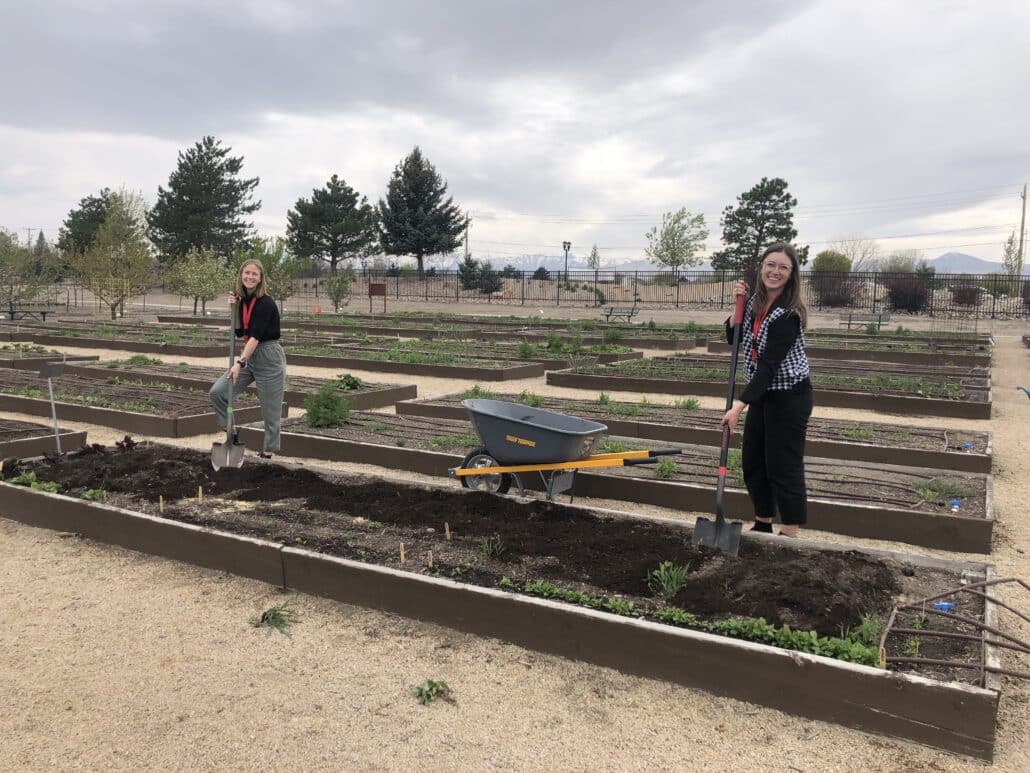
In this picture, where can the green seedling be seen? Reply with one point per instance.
(911, 647)
(690, 404)
(430, 690)
(476, 391)
(94, 495)
(941, 491)
(526, 349)
(530, 399)
(280, 618)
(858, 432)
(183, 368)
(493, 546)
(29, 479)
(449, 442)
(376, 427)
(735, 465)
(866, 633)
(400, 442)
(614, 446)
(665, 468)
(604, 398)
(667, 579)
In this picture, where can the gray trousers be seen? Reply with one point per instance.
(267, 371)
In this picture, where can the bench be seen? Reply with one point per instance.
(23, 312)
(628, 312)
(880, 318)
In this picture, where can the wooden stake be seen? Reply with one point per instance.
(446, 530)
(200, 493)
(402, 552)
(429, 559)
(160, 503)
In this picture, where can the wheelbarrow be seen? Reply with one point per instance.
(520, 439)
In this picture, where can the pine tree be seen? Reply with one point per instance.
(763, 215)
(335, 224)
(415, 219)
(205, 204)
(80, 227)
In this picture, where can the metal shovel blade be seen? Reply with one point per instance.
(227, 454)
(719, 534)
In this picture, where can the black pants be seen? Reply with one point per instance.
(773, 455)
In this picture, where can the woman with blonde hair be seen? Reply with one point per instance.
(778, 394)
(262, 361)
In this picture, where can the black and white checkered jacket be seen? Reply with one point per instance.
(794, 368)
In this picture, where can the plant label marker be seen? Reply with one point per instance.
(446, 530)
(402, 552)
(429, 559)
(200, 493)
(161, 503)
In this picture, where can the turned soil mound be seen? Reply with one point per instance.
(825, 592)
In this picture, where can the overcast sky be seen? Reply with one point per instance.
(550, 121)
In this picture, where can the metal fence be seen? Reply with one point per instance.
(973, 295)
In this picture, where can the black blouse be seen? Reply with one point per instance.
(264, 320)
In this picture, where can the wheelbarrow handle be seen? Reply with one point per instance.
(642, 460)
(666, 452)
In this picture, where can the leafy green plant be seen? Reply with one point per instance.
(612, 336)
(476, 391)
(400, 442)
(29, 479)
(911, 646)
(327, 407)
(280, 618)
(614, 446)
(866, 632)
(431, 690)
(937, 490)
(142, 359)
(183, 368)
(871, 329)
(493, 546)
(526, 349)
(690, 404)
(735, 465)
(664, 468)
(94, 495)
(667, 579)
(347, 383)
(530, 399)
(856, 431)
(448, 442)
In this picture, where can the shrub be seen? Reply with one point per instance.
(510, 272)
(829, 260)
(1026, 294)
(327, 407)
(830, 281)
(966, 294)
(612, 336)
(542, 274)
(908, 292)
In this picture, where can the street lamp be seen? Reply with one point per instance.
(566, 246)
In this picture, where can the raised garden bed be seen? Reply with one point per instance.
(360, 395)
(884, 394)
(145, 409)
(854, 498)
(912, 353)
(23, 438)
(21, 356)
(91, 341)
(946, 449)
(570, 581)
(422, 365)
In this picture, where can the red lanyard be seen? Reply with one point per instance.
(245, 310)
(754, 334)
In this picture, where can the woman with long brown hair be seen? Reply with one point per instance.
(262, 361)
(778, 394)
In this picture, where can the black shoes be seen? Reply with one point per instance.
(263, 455)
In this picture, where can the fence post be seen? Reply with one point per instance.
(635, 273)
(522, 275)
(457, 285)
(722, 292)
(558, 303)
(596, 302)
(876, 287)
(994, 296)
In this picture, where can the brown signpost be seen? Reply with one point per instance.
(374, 289)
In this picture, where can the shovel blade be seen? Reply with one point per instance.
(719, 534)
(227, 454)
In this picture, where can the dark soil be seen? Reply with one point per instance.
(17, 430)
(366, 519)
(844, 481)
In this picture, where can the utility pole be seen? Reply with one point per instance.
(466, 234)
(1022, 223)
(29, 232)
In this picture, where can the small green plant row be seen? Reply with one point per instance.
(29, 479)
(754, 629)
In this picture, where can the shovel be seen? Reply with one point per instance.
(229, 453)
(720, 534)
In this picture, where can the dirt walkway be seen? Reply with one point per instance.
(110, 658)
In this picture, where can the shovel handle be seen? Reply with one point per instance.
(738, 310)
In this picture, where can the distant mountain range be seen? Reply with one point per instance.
(948, 263)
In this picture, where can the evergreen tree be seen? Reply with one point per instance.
(763, 215)
(594, 259)
(333, 225)
(679, 241)
(80, 227)
(205, 204)
(468, 273)
(415, 218)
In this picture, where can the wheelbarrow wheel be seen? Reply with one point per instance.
(496, 483)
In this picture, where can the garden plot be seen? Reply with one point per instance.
(361, 395)
(912, 352)
(417, 363)
(874, 387)
(23, 356)
(24, 438)
(623, 591)
(552, 355)
(685, 422)
(115, 401)
(933, 508)
(187, 343)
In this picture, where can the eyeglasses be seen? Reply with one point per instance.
(783, 269)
